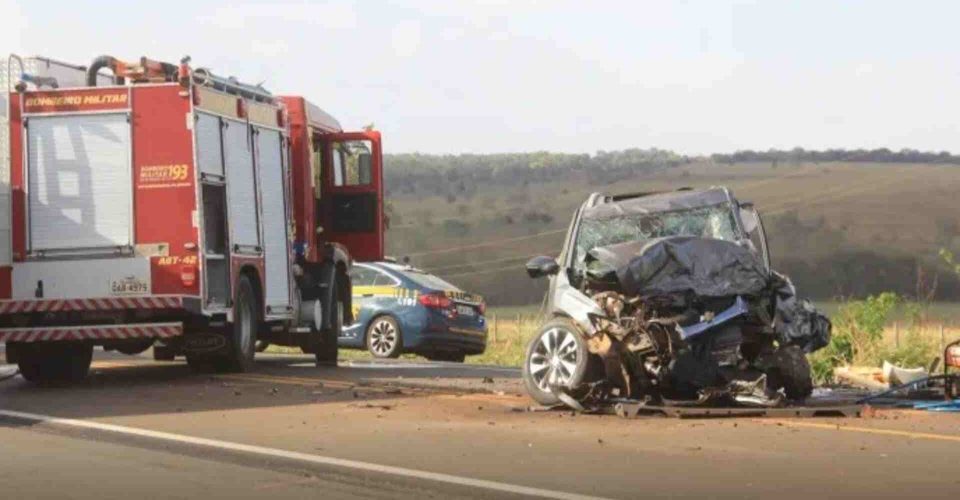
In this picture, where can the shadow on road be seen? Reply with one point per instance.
(126, 386)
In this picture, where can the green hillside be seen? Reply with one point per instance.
(839, 228)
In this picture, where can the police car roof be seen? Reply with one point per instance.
(393, 266)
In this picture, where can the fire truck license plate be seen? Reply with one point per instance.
(129, 287)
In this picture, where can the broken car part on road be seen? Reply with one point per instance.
(669, 299)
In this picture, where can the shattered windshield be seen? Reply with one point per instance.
(714, 222)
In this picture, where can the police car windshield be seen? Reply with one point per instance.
(428, 280)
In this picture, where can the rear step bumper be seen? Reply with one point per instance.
(92, 332)
(152, 302)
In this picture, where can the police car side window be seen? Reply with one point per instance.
(362, 276)
(383, 279)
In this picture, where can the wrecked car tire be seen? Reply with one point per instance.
(788, 368)
(556, 357)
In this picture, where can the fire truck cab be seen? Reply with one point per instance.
(156, 205)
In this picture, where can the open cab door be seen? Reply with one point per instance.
(351, 204)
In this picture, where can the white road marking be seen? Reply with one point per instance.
(302, 457)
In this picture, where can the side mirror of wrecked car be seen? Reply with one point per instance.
(539, 267)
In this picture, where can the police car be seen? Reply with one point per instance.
(399, 309)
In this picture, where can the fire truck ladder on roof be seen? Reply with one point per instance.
(203, 77)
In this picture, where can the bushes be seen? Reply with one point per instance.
(858, 328)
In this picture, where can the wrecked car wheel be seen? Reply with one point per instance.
(788, 368)
(556, 358)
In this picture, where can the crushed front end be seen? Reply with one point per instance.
(687, 312)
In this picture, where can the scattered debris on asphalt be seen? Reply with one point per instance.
(870, 378)
(371, 406)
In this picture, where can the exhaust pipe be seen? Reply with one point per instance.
(104, 62)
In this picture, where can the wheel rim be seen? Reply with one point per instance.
(553, 361)
(383, 337)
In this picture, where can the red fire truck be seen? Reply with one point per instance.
(158, 205)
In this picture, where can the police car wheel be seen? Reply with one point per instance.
(383, 337)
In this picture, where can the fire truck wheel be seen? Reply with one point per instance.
(200, 363)
(243, 342)
(55, 362)
(327, 349)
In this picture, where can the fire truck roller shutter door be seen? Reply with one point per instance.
(241, 186)
(209, 154)
(276, 254)
(79, 181)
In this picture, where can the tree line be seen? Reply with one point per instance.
(881, 155)
(491, 196)
(461, 174)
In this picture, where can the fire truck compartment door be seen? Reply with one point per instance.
(79, 182)
(270, 160)
(241, 187)
(352, 212)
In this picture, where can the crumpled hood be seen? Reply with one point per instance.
(677, 264)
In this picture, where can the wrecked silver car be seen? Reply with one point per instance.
(669, 298)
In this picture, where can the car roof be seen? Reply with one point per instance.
(662, 201)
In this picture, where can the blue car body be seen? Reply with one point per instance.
(383, 288)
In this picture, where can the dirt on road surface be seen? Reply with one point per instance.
(418, 429)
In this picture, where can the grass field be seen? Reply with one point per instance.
(875, 204)
(900, 209)
(512, 327)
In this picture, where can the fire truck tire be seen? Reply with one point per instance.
(242, 345)
(199, 363)
(326, 350)
(55, 362)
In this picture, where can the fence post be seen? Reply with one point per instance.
(519, 329)
(896, 334)
(943, 339)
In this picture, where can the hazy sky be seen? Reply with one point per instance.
(511, 75)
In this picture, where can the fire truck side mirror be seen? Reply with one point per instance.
(365, 169)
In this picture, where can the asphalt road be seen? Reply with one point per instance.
(428, 430)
